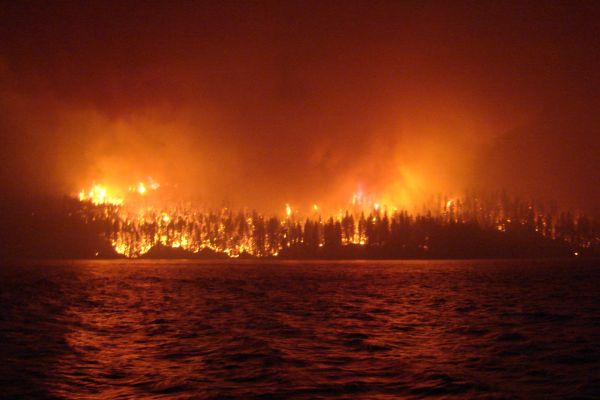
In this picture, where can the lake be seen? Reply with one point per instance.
(301, 330)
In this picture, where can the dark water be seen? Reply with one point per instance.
(370, 330)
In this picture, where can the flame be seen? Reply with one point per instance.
(135, 227)
(99, 195)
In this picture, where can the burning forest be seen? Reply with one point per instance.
(132, 224)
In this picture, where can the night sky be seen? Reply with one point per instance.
(263, 103)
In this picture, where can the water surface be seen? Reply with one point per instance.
(370, 330)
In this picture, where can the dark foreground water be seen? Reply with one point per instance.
(371, 330)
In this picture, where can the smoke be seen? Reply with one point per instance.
(262, 105)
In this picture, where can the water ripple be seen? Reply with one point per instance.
(360, 330)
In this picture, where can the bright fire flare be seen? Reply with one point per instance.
(99, 194)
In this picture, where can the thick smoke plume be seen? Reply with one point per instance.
(259, 105)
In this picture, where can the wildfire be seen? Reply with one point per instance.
(99, 195)
(135, 227)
